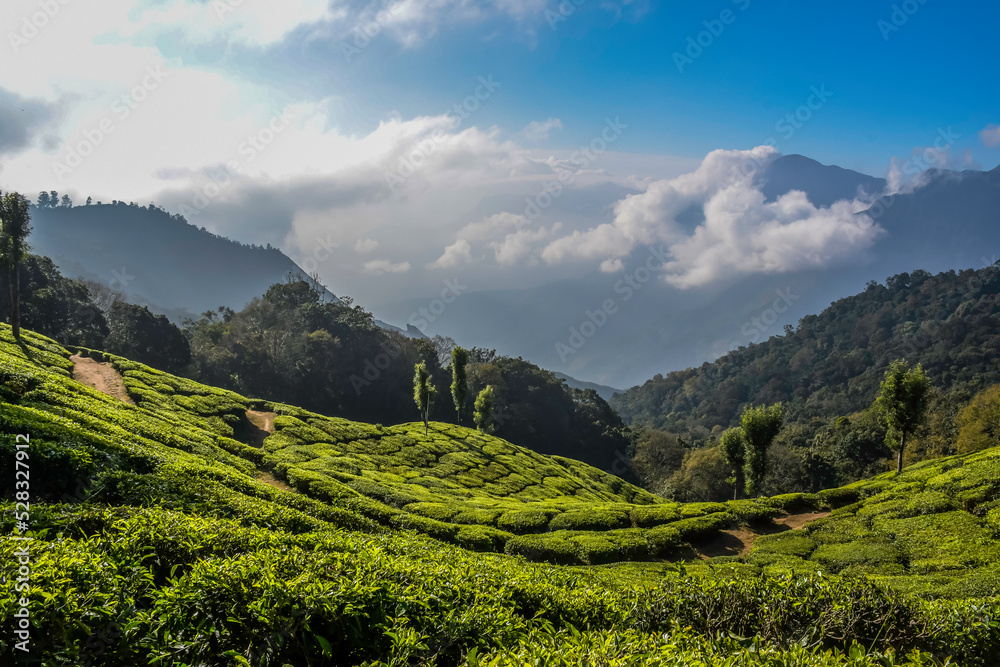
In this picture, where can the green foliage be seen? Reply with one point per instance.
(138, 334)
(459, 380)
(156, 544)
(760, 425)
(902, 404)
(423, 391)
(979, 422)
(483, 410)
(829, 369)
(734, 447)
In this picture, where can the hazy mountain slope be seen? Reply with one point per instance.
(158, 259)
(604, 392)
(952, 220)
(824, 184)
(156, 256)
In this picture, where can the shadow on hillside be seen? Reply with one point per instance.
(736, 541)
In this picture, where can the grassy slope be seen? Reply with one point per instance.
(156, 540)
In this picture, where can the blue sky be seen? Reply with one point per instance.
(275, 123)
(893, 87)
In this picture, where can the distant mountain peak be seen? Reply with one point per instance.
(823, 184)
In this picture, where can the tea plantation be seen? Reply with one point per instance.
(157, 539)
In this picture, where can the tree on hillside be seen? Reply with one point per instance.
(15, 225)
(423, 392)
(483, 410)
(43, 200)
(760, 426)
(734, 448)
(459, 383)
(979, 422)
(902, 404)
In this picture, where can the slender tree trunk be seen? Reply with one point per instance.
(740, 484)
(899, 457)
(15, 304)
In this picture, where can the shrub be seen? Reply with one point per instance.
(689, 510)
(661, 540)
(589, 520)
(839, 497)
(481, 538)
(654, 515)
(863, 557)
(702, 526)
(595, 550)
(547, 548)
(523, 521)
(749, 511)
(795, 502)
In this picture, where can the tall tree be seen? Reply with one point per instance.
(734, 448)
(423, 392)
(902, 404)
(15, 225)
(483, 410)
(459, 383)
(43, 200)
(760, 426)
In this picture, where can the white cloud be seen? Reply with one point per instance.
(990, 135)
(651, 216)
(310, 181)
(612, 266)
(490, 226)
(458, 253)
(521, 244)
(539, 130)
(412, 22)
(254, 22)
(740, 233)
(365, 246)
(744, 235)
(380, 266)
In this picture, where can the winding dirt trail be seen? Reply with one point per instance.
(101, 376)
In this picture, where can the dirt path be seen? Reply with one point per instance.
(271, 480)
(262, 420)
(739, 542)
(261, 426)
(726, 543)
(264, 424)
(101, 376)
(798, 521)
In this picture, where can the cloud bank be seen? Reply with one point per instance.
(737, 232)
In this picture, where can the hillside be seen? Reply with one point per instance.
(163, 532)
(831, 364)
(160, 260)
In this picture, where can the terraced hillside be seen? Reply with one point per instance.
(160, 536)
(933, 530)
